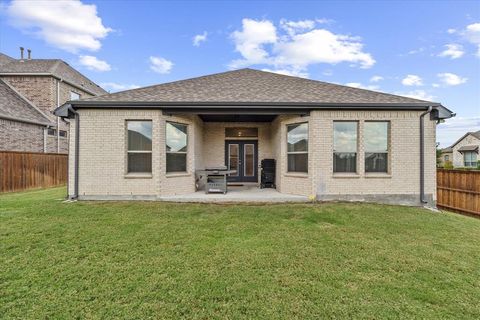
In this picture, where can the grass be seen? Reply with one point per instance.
(299, 261)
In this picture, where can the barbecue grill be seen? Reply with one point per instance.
(216, 179)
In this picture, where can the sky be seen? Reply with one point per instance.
(424, 49)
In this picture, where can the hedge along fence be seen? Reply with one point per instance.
(459, 190)
(26, 170)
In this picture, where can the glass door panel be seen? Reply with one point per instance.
(233, 157)
(249, 161)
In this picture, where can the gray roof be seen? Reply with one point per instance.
(14, 106)
(476, 134)
(447, 150)
(4, 59)
(55, 67)
(251, 87)
(468, 148)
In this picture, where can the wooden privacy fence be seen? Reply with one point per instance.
(459, 190)
(25, 170)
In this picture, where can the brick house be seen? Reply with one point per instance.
(329, 141)
(464, 152)
(31, 89)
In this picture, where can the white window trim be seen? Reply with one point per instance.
(388, 152)
(357, 158)
(137, 174)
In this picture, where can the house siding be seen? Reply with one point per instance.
(42, 92)
(469, 140)
(103, 156)
(20, 136)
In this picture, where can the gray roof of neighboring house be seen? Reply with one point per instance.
(251, 87)
(468, 148)
(476, 134)
(447, 150)
(4, 59)
(14, 106)
(54, 67)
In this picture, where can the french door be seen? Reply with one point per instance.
(242, 156)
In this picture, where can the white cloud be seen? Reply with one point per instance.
(292, 72)
(451, 31)
(92, 63)
(451, 79)
(160, 65)
(453, 51)
(296, 45)
(454, 128)
(69, 24)
(417, 94)
(251, 40)
(294, 27)
(472, 35)
(376, 78)
(361, 86)
(199, 38)
(113, 86)
(412, 80)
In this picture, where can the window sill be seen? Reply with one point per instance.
(178, 174)
(296, 174)
(138, 176)
(378, 175)
(346, 175)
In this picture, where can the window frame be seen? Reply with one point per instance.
(298, 152)
(388, 152)
(472, 164)
(177, 152)
(63, 136)
(53, 130)
(137, 151)
(356, 172)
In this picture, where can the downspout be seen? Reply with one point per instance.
(422, 156)
(77, 149)
(45, 130)
(58, 118)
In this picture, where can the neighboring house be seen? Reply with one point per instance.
(31, 89)
(446, 155)
(329, 141)
(465, 151)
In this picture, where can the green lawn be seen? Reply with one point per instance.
(157, 260)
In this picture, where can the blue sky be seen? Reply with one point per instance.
(428, 49)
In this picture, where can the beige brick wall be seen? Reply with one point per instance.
(458, 160)
(103, 155)
(42, 92)
(19, 136)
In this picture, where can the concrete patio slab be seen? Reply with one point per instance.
(249, 193)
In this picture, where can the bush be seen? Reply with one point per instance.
(478, 164)
(448, 165)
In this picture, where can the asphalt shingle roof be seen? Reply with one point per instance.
(55, 67)
(251, 86)
(14, 106)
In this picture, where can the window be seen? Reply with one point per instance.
(376, 146)
(297, 147)
(447, 157)
(74, 95)
(63, 133)
(52, 132)
(176, 147)
(139, 147)
(345, 146)
(470, 159)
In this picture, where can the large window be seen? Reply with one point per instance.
(345, 146)
(376, 146)
(297, 147)
(470, 159)
(139, 147)
(176, 147)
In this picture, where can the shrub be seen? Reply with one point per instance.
(448, 165)
(478, 164)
